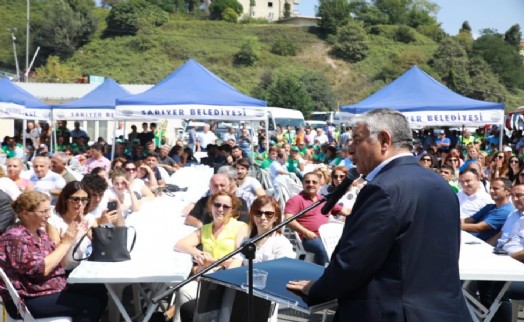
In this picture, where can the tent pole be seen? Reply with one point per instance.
(24, 127)
(266, 128)
(52, 148)
(501, 134)
(115, 124)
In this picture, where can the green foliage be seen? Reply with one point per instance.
(450, 61)
(432, 31)
(288, 92)
(370, 15)
(400, 62)
(166, 5)
(350, 42)
(318, 88)
(287, 10)
(56, 72)
(249, 53)
(513, 36)
(218, 6)
(465, 39)
(485, 85)
(333, 14)
(405, 34)
(504, 60)
(396, 10)
(65, 26)
(229, 15)
(465, 27)
(126, 18)
(283, 47)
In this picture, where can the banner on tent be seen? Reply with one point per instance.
(16, 111)
(74, 114)
(201, 112)
(473, 117)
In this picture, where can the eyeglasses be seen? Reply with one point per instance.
(79, 199)
(221, 205)
(310, 182)
(42, 212)
(130, 169)
(268, 214)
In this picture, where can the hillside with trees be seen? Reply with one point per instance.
(358, 47)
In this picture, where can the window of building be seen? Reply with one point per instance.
(270, 15)
(270, 4)
(252, 13)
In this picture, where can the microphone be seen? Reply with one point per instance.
(340, 190)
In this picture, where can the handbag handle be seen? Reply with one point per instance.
(81, 239)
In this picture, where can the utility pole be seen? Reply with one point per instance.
(12, 31)
(27, 40)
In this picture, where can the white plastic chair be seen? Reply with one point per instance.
(23, 311)
(330, 234)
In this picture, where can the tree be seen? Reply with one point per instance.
(405, 34)
(370, 15)
(262, 89)
(287, 10)
(450, 61)
(485, 85)
(56, 72)
(126, 18)
(333, 14)
(288, 92)
(320, 92)
(229, 15)
(249, 53)
(504, 60)
(350, 42)
(283, 47)
(218, 6)
(513, 36)
(396, 10)
(465, 27)
(65, 26)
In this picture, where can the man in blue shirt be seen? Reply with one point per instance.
(488, 221)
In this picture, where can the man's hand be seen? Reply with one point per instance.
(308, 234)
(301, 287)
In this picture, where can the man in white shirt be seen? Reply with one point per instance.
(511, 237)
(472, 197)
(44, 180)
(248, 187)
(206, 137)
(321, 137)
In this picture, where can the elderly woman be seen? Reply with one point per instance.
(70, 208)
(137, 185)
(34, 265)
(265, 214)
(218, 238)
(14, 168)
(8, 186)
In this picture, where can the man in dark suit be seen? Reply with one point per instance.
(397, 258)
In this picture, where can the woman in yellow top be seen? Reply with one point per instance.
(218, 238)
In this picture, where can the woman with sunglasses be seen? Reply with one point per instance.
(514, 166)
(33, 263)
(70, 209)
(137, 185)
(338, 174)
(453, 161)
(217, 238)
(265, 214)
(499, 167)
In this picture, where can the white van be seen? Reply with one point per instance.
(284, 117)
(336, 118)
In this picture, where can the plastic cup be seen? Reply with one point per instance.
(259, 278)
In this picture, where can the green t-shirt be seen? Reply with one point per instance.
(266, 163)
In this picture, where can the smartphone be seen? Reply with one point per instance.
(499, 251)
(112, 205)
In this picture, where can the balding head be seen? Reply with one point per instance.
(41, 166)
(219, 182)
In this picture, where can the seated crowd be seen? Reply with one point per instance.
(80, 179)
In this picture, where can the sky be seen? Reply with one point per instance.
(481, 14)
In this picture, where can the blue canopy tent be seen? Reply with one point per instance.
(99, 104)
(426, 102)
(191, 92)
(16, 103)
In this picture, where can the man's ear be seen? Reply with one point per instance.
(385, 139)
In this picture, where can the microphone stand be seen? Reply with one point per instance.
(248, 250)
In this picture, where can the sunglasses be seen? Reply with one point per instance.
(514, 161)
(310, 182)
(130, 169)
(453, 160)
(339, 176)
(521, 174)
(220, 205)
(425, 159)
(268, 214)
(500, 157)
(79, 199)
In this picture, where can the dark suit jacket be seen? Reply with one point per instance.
(397, 258)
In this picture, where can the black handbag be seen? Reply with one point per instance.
(109, 244)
